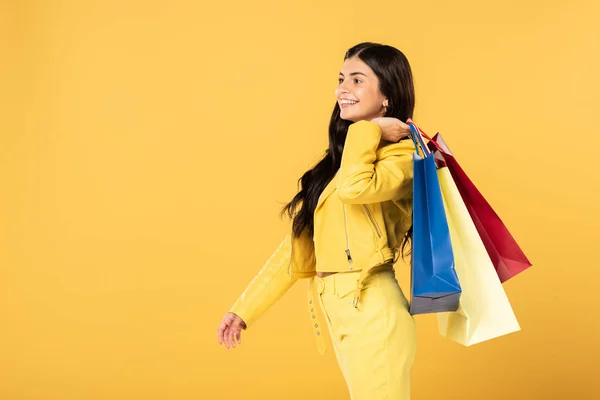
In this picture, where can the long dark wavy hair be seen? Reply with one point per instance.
(396, 83)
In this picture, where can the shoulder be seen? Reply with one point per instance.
(403, 148)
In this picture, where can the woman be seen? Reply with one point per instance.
(346, 244)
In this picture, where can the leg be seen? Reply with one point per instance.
(376, 342)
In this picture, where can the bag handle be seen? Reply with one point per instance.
(412, 136)
(421, 133)
(416, 137)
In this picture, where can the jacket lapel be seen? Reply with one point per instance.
(330, 188)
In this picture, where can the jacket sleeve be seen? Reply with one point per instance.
(267, 286)
(370, 174)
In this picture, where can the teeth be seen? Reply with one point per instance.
(349, 102)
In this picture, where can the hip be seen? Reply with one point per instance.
(381, 293)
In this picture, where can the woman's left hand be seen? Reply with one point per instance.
(392, 128)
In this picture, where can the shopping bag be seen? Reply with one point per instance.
(484, 311)
(434, 283)
(505, 253)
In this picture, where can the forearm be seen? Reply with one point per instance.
(267, 286)
(370, 174)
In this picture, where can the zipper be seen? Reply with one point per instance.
(372, 220)
(348, 256)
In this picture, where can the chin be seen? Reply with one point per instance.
(352, 117)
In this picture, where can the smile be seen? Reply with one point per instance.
(346, 105)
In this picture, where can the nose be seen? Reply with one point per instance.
(341, 90)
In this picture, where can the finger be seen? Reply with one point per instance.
(237, 326)
(220, 331)
(234, 336)
(231, 337)
(239, 337)
(226, 337)
(405, 131)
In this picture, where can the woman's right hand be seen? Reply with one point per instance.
(231, 329)
(392, 129)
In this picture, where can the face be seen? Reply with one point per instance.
(358, 83)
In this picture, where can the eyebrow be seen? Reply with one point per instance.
(354, 73)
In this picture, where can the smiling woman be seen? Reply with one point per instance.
(362, 86)
(346, 244)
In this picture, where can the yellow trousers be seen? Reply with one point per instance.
(375, 344)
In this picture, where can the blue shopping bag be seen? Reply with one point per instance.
(434, 282)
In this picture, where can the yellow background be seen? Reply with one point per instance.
(146, 148)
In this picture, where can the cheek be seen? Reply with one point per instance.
(367, 98)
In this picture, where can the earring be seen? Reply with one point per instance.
(385, 107)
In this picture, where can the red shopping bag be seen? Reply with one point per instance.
(505, 253)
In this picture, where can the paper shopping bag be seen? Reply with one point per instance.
(505, 253)
(435, 285)
(484, 311)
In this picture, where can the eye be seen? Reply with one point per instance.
(340, 80)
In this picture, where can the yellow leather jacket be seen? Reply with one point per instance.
(374, 197)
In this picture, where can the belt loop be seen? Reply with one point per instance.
(315, 321)
(359, 286)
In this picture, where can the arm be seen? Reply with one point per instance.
(369, 174)
(267, 286)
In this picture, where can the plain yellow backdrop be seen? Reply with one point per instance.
(146, 148)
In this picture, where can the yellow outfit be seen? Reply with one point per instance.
(355, 231)
(374, 344)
